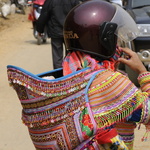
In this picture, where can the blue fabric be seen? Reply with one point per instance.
(136, 116)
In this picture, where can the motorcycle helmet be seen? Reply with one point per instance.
(93, 26)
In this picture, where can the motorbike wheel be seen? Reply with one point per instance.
(39, 40)
(44, 40)
(44, 37)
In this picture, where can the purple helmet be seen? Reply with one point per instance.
(92, 27)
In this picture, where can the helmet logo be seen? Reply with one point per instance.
(70, 35)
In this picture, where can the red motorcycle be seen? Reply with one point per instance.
(34, 14)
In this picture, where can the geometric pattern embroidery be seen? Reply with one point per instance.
(57, 134)
(50, 108)
(57, 112)
(21, 91)
(62, 136)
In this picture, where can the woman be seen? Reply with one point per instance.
(91, 105)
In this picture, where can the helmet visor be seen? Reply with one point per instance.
(127, 29)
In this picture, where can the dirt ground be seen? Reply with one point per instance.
(7, 23)
(12, 20)
(18, 47)
(17, 50)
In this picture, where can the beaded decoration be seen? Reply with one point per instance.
(55, 111)
(66, 112)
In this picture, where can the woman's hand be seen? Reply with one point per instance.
(132, 60)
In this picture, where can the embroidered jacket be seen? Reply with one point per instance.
(69, 111)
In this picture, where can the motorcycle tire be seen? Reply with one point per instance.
(39, 40)
(44, 40)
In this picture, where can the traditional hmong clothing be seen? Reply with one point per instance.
(82, 109)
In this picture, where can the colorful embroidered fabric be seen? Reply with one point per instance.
(66, 112)
(55, 110)
(107, 139)
(144, 80)
(77, 60)
(110, 140)
(126, 131)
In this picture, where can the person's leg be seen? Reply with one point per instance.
(57, 52)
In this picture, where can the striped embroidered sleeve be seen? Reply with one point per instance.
(144, 81)
(113, 97)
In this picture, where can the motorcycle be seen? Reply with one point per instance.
(34, 14)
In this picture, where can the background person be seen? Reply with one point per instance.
(53, 15)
